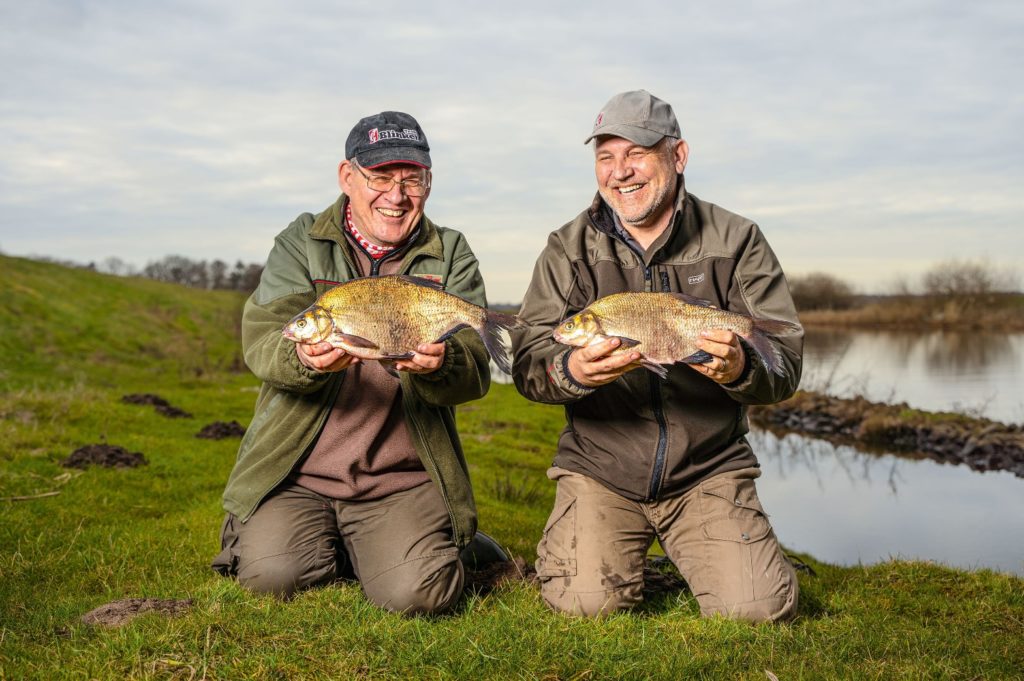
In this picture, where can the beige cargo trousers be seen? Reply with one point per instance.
(592, 554)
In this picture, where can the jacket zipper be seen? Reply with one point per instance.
(657, 407)
(658, 471)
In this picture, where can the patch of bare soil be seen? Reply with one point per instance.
(158, 403)
(981, 444)
(107, 456)
(121, 612)
(218, 430)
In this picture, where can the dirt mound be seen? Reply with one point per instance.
(218, 430)
(145, 398)
(161, 405)
(121, 612)
(107, 456)
(172, 412)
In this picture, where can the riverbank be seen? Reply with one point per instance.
(995, 312)
(981, 444)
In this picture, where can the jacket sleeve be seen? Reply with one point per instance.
(539, 367)
(760, 287)
(465, 374)
(285, 289)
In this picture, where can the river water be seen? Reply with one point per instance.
(847, 507)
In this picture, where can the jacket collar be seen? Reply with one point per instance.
(328, 227)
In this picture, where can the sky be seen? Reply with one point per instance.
(868, 140)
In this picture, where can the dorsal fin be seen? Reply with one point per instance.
(420, 281)
(693, 300)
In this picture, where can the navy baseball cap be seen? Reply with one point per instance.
(388, 137)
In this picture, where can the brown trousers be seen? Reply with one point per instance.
(591, 557)
(400, 547)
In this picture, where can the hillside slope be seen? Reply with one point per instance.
(60, 324)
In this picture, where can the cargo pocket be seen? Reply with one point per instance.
(226, 562)
(732, 512)
(556, 553)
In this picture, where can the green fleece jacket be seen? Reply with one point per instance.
(309, 257)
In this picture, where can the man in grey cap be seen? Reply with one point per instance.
(346, 469)
(644, 458)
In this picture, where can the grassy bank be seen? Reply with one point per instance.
(994, 312)
(150, 531)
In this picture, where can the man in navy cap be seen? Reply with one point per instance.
(345, 469)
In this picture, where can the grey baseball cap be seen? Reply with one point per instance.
(638, 116)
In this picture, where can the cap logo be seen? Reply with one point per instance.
(600, 117)
(377, 135)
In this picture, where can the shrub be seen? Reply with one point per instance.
(820, 291)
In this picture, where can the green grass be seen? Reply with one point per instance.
(151, 532)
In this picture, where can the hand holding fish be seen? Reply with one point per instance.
(428, 358)
(324, 357)
(595, 365)
(728, 360)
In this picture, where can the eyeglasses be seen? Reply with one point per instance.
(413, 186)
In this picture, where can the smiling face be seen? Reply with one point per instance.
(385, 218)
(639, 183)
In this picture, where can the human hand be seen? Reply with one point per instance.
(728, 360)
(595, 365)
(428, 358)
(324, 357)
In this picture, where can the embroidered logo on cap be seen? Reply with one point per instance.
(376, 135)
(600, 117)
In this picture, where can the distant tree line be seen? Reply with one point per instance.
(962, 281)
(177, 269)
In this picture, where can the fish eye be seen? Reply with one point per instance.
(569, 325)
(301, 323)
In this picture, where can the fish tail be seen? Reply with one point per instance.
(496, 325)
(760, 341)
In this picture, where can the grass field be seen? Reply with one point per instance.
(74, 342)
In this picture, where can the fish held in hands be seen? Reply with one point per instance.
(665, 328)
(387, 317)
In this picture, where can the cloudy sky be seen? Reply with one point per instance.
(869, 140)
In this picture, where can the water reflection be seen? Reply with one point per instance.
(972, 372)
(847, 507)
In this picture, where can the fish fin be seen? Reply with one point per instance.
(421, 281)
(399, 355)
(777, 327)
(766, 351)
(355, 341)
(660, 370)
(390, 368)
(692, 300)
(626, 342)
(451, 332)
(494, 334)
(698, 357)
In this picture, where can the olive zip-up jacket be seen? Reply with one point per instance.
(308, 258)
(643, 437)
